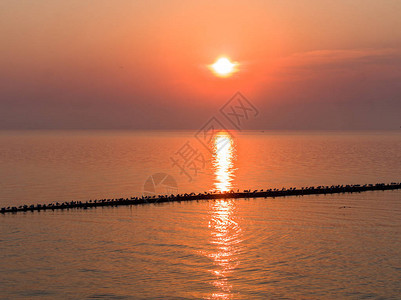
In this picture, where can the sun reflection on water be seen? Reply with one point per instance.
(223, 161)
(225, 240)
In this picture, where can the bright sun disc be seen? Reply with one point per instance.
(223, 67)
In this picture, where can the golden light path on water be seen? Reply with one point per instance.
(223, 161)
(224, 228)
(226, 238)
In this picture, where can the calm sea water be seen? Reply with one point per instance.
(333, 246)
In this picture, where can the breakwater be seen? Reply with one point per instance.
(268, 193)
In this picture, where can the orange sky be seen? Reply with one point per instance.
(143, 64)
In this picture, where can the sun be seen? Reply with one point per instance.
(223, 67)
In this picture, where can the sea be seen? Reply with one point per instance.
(297, 247)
